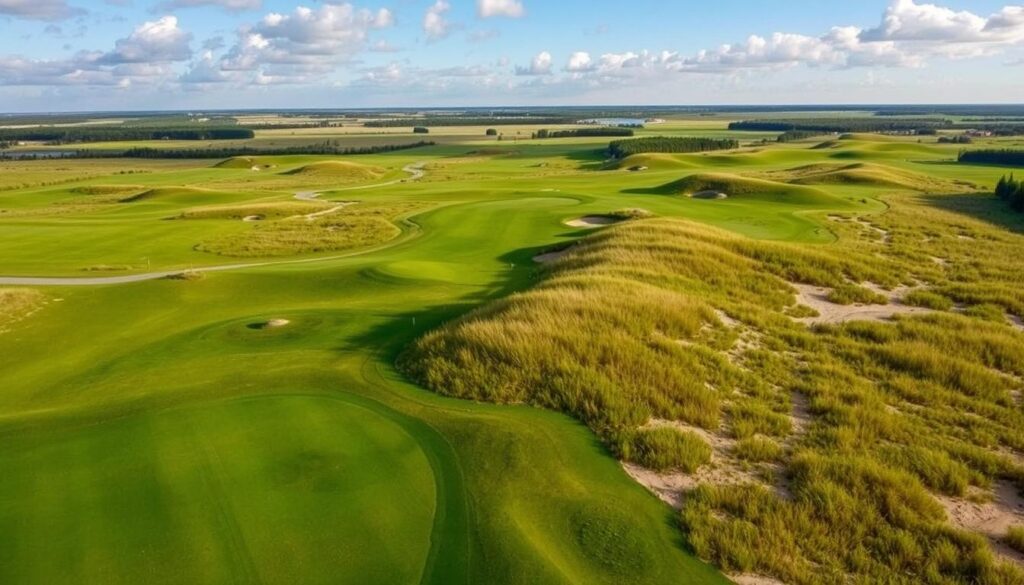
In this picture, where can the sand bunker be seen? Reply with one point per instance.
(816, 297)
(709, 195)
(592, 221)
(271, 324)
(252, 218)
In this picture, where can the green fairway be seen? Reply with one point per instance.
(165, 431)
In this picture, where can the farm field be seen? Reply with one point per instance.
(513, 361)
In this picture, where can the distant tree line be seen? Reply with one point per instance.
(624, 148)
(1010, 158)
(421, 130)
(85, 134)
(583, 132)
(1011, 191)
(793, 135)
(826, 125)
(188, 153)
(958, 139)
(463, 121)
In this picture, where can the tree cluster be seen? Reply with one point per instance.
(463, 121)
(822, 125)
(326, 147)
(1006, 157)
(72, 135)
(583, 132)
(793, 135)
(958, 139)
(1012, 191)
(677, 144)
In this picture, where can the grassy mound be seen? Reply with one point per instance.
(653, 161)
(107, 189)
(740, 186)
(351, 228)
(341, 170)
(860, 174)
(174, 194)
(627, 327)
(238, 162)
(262, 210)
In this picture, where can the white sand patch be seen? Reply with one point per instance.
(275, 323)
(800, 418)
(1016, 322)
(709, 195)
(751, 579)
(816, 297)
(991, 518)
(252, 218)
(591, 221)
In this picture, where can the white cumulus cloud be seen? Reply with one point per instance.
(540, 65)
(435, 25)
(507, 8)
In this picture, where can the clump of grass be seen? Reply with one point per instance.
(187, 275)
(928, 299)
(849, 294)
(799, 311)
(1015, 538)
(18, 303)
(757, 449)
(630, 213)
(276, 210)
(664, 448)
(987, 312)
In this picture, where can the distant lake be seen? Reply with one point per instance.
(615, 121)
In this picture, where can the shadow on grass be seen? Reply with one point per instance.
(984, 207)
(390, 338)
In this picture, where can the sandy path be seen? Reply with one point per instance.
(415, 171)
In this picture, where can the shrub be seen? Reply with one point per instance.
(421, 130)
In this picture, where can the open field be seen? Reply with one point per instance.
(513, 361)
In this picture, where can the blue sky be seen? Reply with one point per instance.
(71, 55)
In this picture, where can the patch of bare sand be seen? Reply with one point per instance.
(816, 297)
(1016, 322)
(671, 486)
(752, 579)
(550, 256)
(990, 518)
(591, 221)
